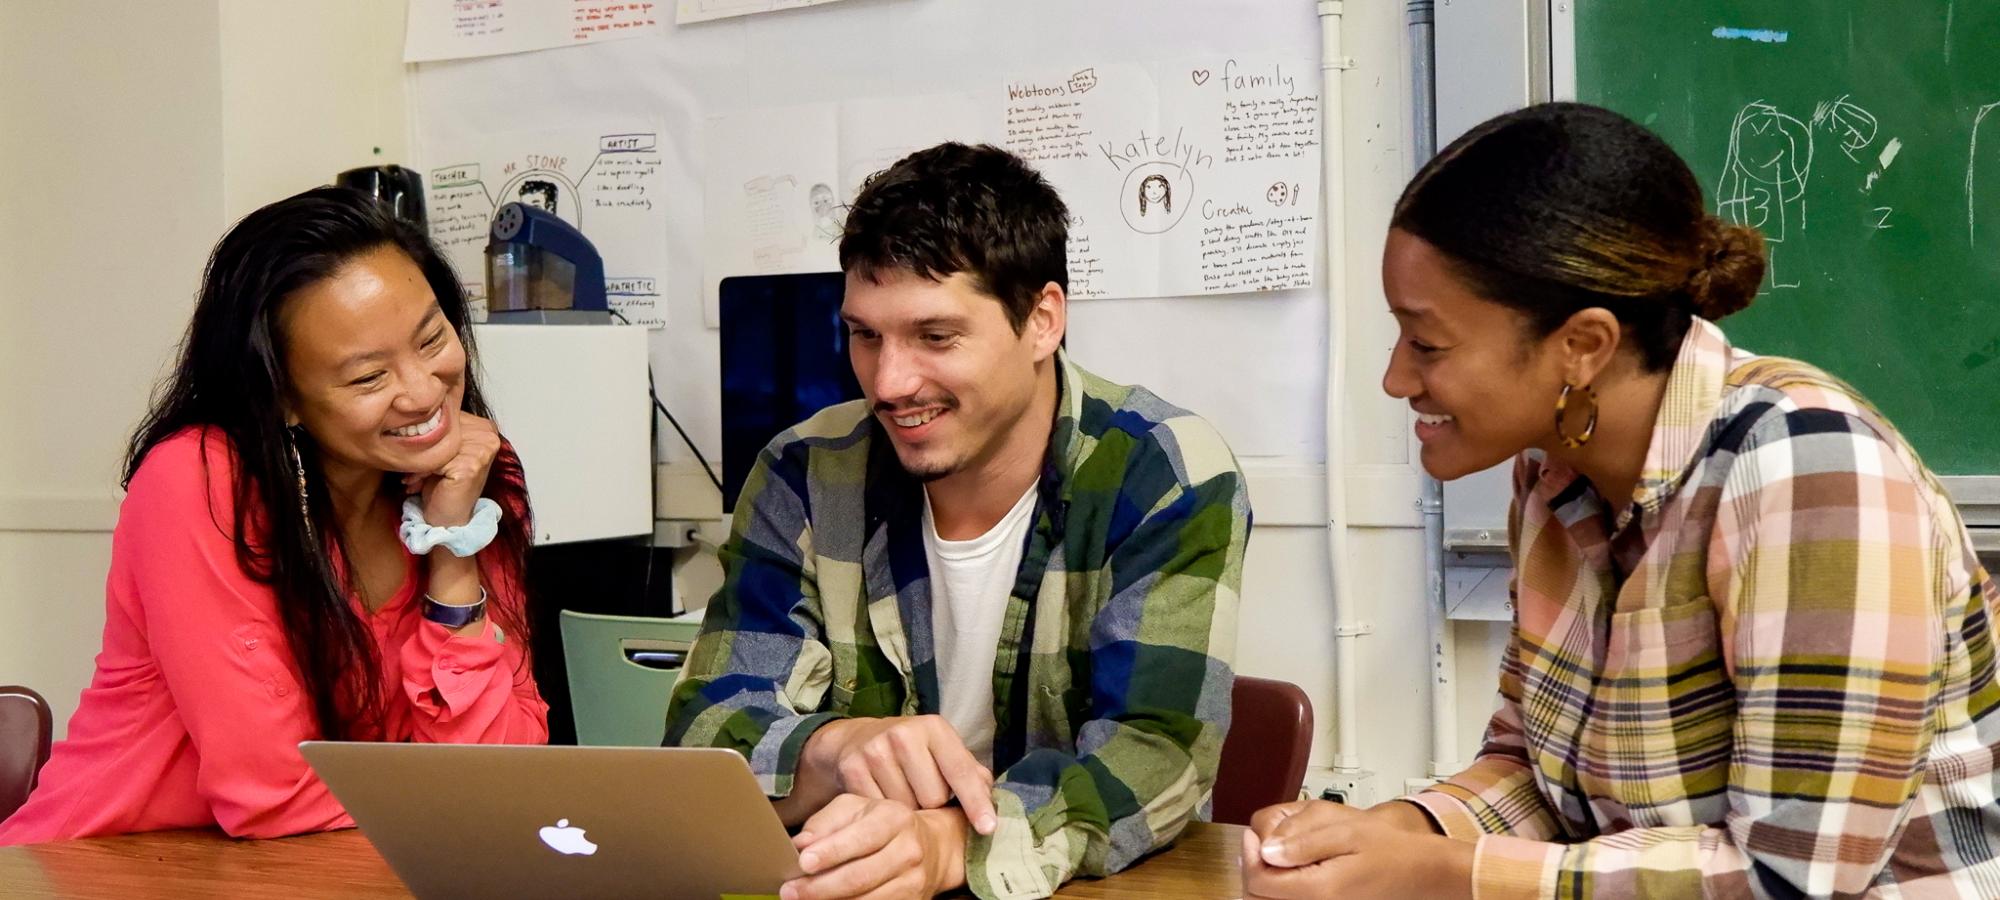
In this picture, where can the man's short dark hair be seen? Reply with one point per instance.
(954, 208)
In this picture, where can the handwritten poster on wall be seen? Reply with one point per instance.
(456, 29)
(607, 183)
(1195, 178)
(1181, 179)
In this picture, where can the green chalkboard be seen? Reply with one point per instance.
(1863, 138)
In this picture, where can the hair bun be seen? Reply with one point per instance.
(1730, 271)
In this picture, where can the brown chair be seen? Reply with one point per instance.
(26, 728)
(1264, 757)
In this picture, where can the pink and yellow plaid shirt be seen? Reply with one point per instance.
(1771, 675)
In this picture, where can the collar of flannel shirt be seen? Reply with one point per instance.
(1687, 410)
(895, 496)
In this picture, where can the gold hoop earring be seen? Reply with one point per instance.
(1589, 426)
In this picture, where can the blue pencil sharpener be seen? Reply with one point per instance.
(540, 269)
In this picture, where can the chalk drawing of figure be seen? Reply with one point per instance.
(1856, 127)
(1764, 178)
(1982, 170)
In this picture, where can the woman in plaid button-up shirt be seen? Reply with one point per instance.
(1766, 668)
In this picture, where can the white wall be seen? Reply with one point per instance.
(310, 88)
(136, 135)
(112, 128)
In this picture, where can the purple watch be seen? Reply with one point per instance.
(454, 616)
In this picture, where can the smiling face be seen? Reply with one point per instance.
(1769, 145)
(376, 372)
(945, 373)
(1154, 188)
(1483, 387)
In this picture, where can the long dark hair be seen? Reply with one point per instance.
(231, 379)
(1561, 207)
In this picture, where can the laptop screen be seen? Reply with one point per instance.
(784, 357)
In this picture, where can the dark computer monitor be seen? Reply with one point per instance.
(784, 357)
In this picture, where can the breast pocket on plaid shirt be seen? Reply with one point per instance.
(1657, 745)
(863, 698)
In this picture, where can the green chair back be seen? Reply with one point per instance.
(621, 671)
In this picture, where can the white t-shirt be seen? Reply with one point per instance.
(970, 584)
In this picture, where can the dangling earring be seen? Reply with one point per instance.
(299, 470)
(1589, 426)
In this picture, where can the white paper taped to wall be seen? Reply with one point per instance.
(456, 29)
(605, 182)
(769, 197)
(1191, 178)
(704, 10)
(779, 180)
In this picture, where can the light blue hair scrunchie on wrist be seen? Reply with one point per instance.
(462, 540)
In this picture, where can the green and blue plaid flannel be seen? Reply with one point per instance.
(1112, 682)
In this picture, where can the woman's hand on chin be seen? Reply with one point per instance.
(450, 491)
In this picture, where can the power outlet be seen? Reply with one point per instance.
(1355, 788)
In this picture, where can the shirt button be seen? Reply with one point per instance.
(250, 644)
(848, 684)
(284, 691)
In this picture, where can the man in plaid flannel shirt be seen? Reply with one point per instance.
(975, 630)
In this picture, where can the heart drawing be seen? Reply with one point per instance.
(1200, 77)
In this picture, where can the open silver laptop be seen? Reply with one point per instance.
(461, 820)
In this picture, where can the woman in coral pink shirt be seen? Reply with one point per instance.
(269, 584)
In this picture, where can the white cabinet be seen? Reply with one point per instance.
(572, 399)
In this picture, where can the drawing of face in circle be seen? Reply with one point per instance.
(539, 194)
(545, 190)
(1155, 196)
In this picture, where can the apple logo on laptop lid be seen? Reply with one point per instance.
(567, 839)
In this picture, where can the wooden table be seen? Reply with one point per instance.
(342, 864)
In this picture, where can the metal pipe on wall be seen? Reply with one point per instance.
(1443, 649)
(1347, 631)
